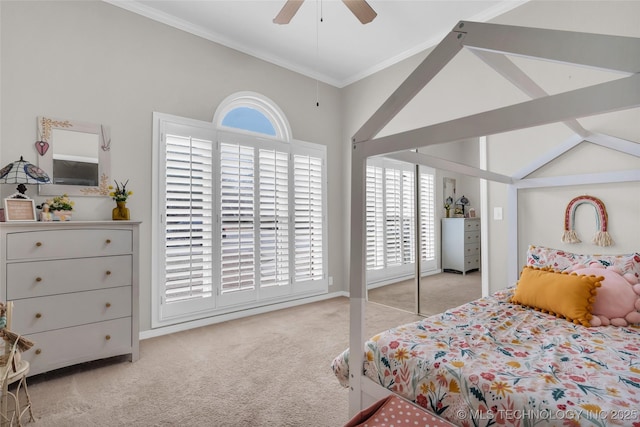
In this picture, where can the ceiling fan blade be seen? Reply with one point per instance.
(287, 12)
(361, 10)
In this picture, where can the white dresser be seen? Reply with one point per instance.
(75, 289)
(460, 244)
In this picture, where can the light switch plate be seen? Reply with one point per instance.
(497, 213)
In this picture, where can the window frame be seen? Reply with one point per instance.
(210, 307)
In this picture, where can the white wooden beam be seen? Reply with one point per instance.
(485, 259)
(632, 175)
(614, 143)
(512, 235)
(611, 96)
(550, 155)
(357, 287)
(438, 163)
(430, 66)
(606, 52)
(510, 71)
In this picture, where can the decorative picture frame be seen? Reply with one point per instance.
(19, 210)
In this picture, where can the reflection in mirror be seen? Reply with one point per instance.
(448, 195)
(75, 158)
(76, 155)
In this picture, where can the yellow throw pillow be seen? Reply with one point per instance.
(564, 295)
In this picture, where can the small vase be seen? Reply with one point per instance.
(447, 213)
(62, 215)
(121, 212)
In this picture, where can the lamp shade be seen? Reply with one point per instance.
(462, 201)
(23, 172)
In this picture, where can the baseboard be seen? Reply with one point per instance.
(165, 330)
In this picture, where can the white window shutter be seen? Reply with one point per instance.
(237, 218)
(375, 217)
(308, 217)
(393, 219)
(408, 217)
(188, 199)
(274, 218)
(427, 217)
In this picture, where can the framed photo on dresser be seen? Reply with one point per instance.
(19, 210)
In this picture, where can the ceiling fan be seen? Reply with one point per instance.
(360, 8)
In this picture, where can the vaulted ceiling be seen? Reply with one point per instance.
(324, 40)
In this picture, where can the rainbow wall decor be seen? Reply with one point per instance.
(601, 238)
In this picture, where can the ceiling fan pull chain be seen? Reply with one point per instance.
(318, 21)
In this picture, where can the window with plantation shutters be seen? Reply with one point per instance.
(241, 218)
(308, 217)
(391, 220)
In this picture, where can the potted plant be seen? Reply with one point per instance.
(120, 194)
(61, 207)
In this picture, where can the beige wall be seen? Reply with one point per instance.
(94, 62)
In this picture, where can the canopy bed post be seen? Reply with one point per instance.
(484, 216)
(416, 230)
(512, 234)
(357, 288)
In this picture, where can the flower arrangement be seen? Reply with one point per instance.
(120, 193)
(60, 203)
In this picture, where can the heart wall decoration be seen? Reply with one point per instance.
(42, 147)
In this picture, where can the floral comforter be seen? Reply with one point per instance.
(490, 362)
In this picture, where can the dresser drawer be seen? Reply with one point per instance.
(33, 315)
(61, 347)
(471, 262)
(471, 249)
(67, 243)
(471, 237)
(40, 278)
(471, 225)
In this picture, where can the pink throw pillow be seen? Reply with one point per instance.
(617, 299)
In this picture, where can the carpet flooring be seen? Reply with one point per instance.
(438, 292)
(270, 370)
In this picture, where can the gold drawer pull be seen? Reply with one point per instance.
(38, 351)
(108, 305)
(108, 241)
(38, 315)
(108, 273)
(108, 337)
(38, 279)
(38, 244)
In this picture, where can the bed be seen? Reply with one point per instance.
(493, 361)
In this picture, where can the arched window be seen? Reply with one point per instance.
(254, 113)
(242, 212)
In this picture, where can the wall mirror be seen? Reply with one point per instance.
(449, 193)
(76, 155)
